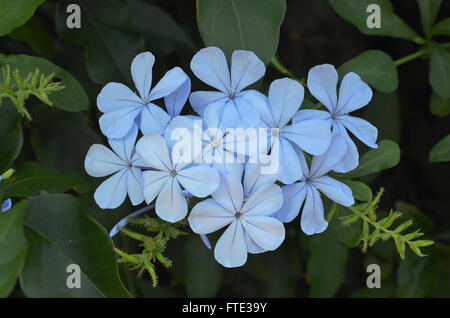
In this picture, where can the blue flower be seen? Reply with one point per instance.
(353, 95)
(276, 111)
(231, 104)
(307, 190)
(6, 204)
(122, 107)
(164, 182)
(250, 229)
(125, 167)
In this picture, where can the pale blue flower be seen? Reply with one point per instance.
(6, 204)
(250, 226)
(124, 165)
(122, 108)
(276, 111)
(353, 95)
(231, 103)
(163, 183)
(307, 189)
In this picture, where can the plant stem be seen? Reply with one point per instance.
(411, 57)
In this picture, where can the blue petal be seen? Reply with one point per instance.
(6, 205)
(285, 98)
(134, 181)
(229, 194)
(308, 114)
(141, 71)
(353, 94)
(362, 129)
(115, 96)
(320, 165)
(201, 99)
(171, 206)
(313, 221)
(118, 123)
(152, 183)
(350, 160)
(210, 66)
(207, 217)
(335, 190)
(199, 180)
(239, 112)
(112, 192)
(231, 250)
(175, 101)
(254, 179)
(205, 241)
(124, 147)
(153, 150)
(101, 162)
(261, 104)
(265, 201)
(266, 232)
(153, 120)
(170, 82)
(322, 83)
(235, 169)
(213, 114)
(312, 136)
(252, 247)
(290, 169)
(246, 69)
(293, 198)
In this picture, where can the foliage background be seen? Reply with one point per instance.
(112, 33)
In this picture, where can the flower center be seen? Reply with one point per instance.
(214, 143)
(238, 215)
(275, 132)
(232, 94)
(173, 173)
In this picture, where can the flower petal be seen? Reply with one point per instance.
(235, 169)
(115, 96)
(170, 82)
(152, 183)
(246, 69)
(210, 66)
(201, 99)
(199, 180)
(362, 129)
(6, 205)
(320, 165)
(118, 123)
(289, 169)
(313, 221)
(293, 198)
(261, 103)
(335, 190)
(350, 160)
(230, 250)
(101, 162)
(285, 98)
(134, 181)
(312, 136)
(254, 179)
(229, 194)
(207, 217)
(124, 147)
(267, 232)
(239, 112)
(353, 94)
(141, 71)
(153, 120)
(308, 114)
(171, 205)
(322, 83)
(175, 101)
(265, 201)
(112, 192)
(154, 151)
(252, 247)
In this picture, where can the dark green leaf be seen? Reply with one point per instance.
(439, 106)
(59, 233)
(442, 28)
(360, 190)
(14, 13)
(428, 12)
(356, 13)
(375, 67)
(421, 220)
(110, 49)
(326, 265)
(13, 247)
(386, 156)
(440, 70)
(11, 137)
(440, 151)
(252, 25)
(389, 127)
(72, 98)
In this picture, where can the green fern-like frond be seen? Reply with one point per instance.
(18, 89)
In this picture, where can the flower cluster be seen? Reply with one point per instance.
(251, 183)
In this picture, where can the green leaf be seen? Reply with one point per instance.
(439, 76)
(252, 25)
(13, 247)
(35, 33)
(59, 233)
(440, 151)
(202, 273)
(11, 135)
(349, 234)
(386, 156)
(33, 177)
(356, 13)
(360, 190)
(439, 106)
(326, 265)
(389, 127)
(428, 13)
(72, 98)
(442, 28)
(14, 13)
(375, 67)
(109, 48)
